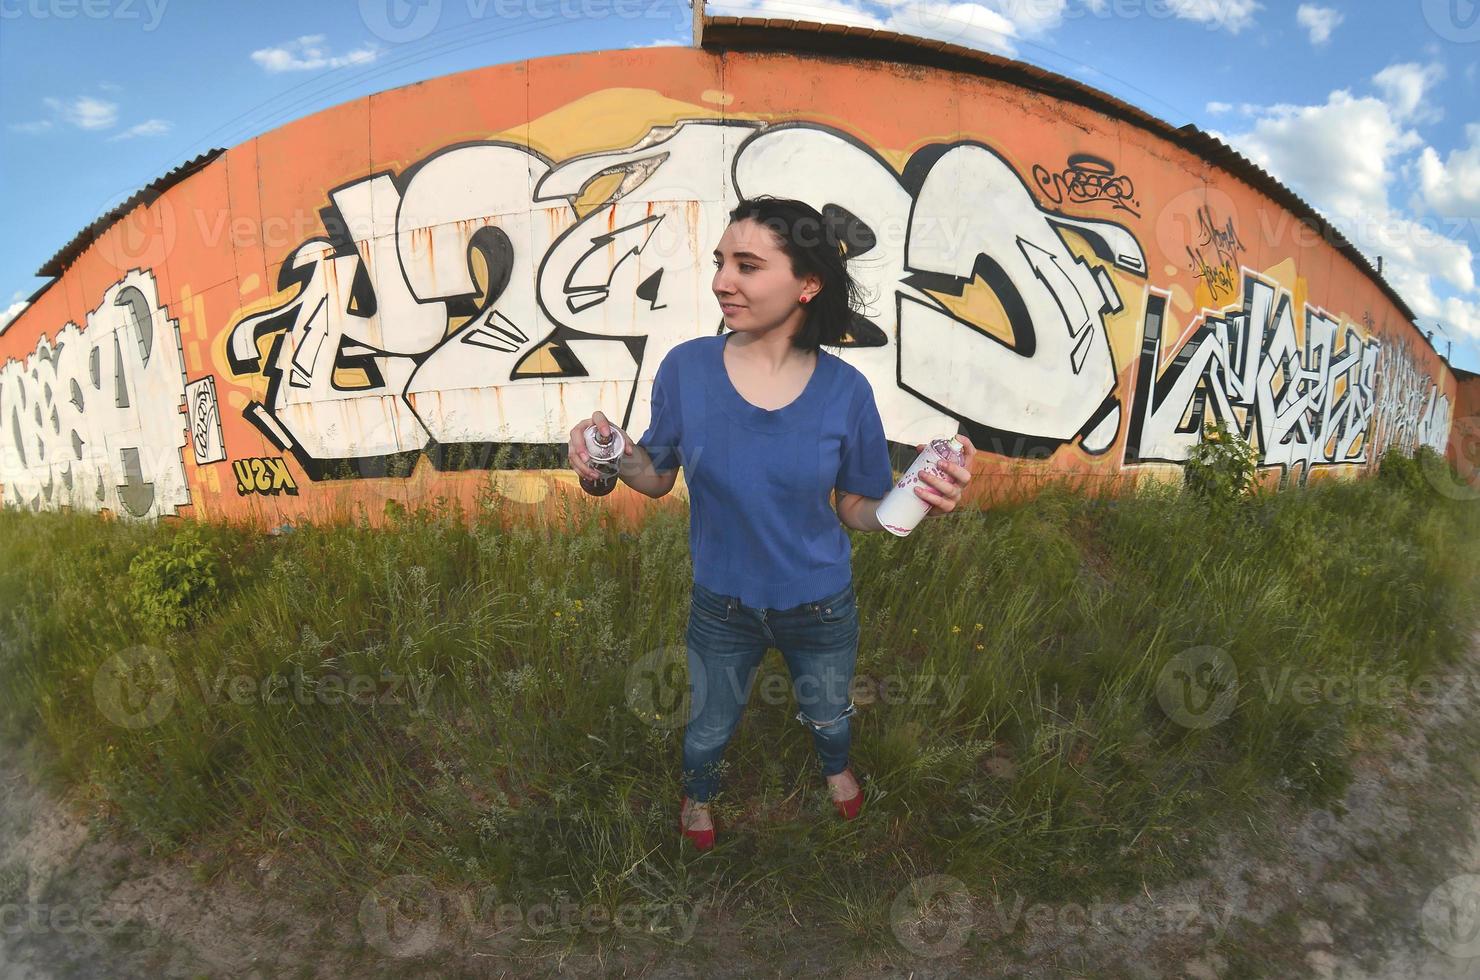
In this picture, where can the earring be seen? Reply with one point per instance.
(804, 299)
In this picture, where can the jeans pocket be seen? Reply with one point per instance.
(709, 604)
(836, 608)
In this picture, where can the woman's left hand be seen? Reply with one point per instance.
(944, 492)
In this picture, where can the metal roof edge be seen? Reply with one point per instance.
(147, 194)
(761, 33)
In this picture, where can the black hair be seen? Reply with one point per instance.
(816, 245)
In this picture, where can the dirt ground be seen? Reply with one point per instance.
(1385, 886)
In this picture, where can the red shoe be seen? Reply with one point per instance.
(703, 839)
(851, 807)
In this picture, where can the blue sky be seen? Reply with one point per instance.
(1366, 110)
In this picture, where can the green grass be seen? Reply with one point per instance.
(1037, 761)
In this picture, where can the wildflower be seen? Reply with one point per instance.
(557, 612)
(913, 632)
(980, 647)
(978, 627)
(955, 629)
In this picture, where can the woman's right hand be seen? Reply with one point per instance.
(579, 459)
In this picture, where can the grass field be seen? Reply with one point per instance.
(1064, 698)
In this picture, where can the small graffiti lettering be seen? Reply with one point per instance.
(1086, 179)
(1219, 278)
(1225, 240)
(1221, 270)
(263, 474)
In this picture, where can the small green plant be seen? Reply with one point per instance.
(1221, 467)
(169, 584)
(1414, 472)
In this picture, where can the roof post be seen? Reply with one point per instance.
(698, 6)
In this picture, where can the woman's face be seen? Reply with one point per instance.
(753, 281)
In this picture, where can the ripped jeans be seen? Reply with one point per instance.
(726, 641)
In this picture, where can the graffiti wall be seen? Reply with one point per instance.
(373, 301)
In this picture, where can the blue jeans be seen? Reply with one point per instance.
(726, 641)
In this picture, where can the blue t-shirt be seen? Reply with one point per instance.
(761, 521)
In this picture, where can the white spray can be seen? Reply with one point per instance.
(605, 458)
(902, 509)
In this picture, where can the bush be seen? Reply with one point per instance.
(169, 585)
(1416, 472)
(1221, 468)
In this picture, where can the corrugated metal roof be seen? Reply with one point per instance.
(59, 262)
(770, 33)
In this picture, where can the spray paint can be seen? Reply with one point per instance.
(902, 509)
(605, 457)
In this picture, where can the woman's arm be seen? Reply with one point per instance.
(858, 512)
(637, 472)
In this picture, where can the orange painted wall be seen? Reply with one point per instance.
(1042, 273)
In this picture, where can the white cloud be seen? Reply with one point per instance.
(84, 112)
(17, 304)
(1451, 186)
(307, 53)
(1219, 107)
(662, 42)
(1403, 87)
(149, 127)
(1319, 21)
(1339, 152)
(972, 25)
(1462, 314)
(1342, 156)
(36, 126)
(991, 25)
(1230, 15)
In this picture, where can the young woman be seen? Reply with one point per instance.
(766, 426)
